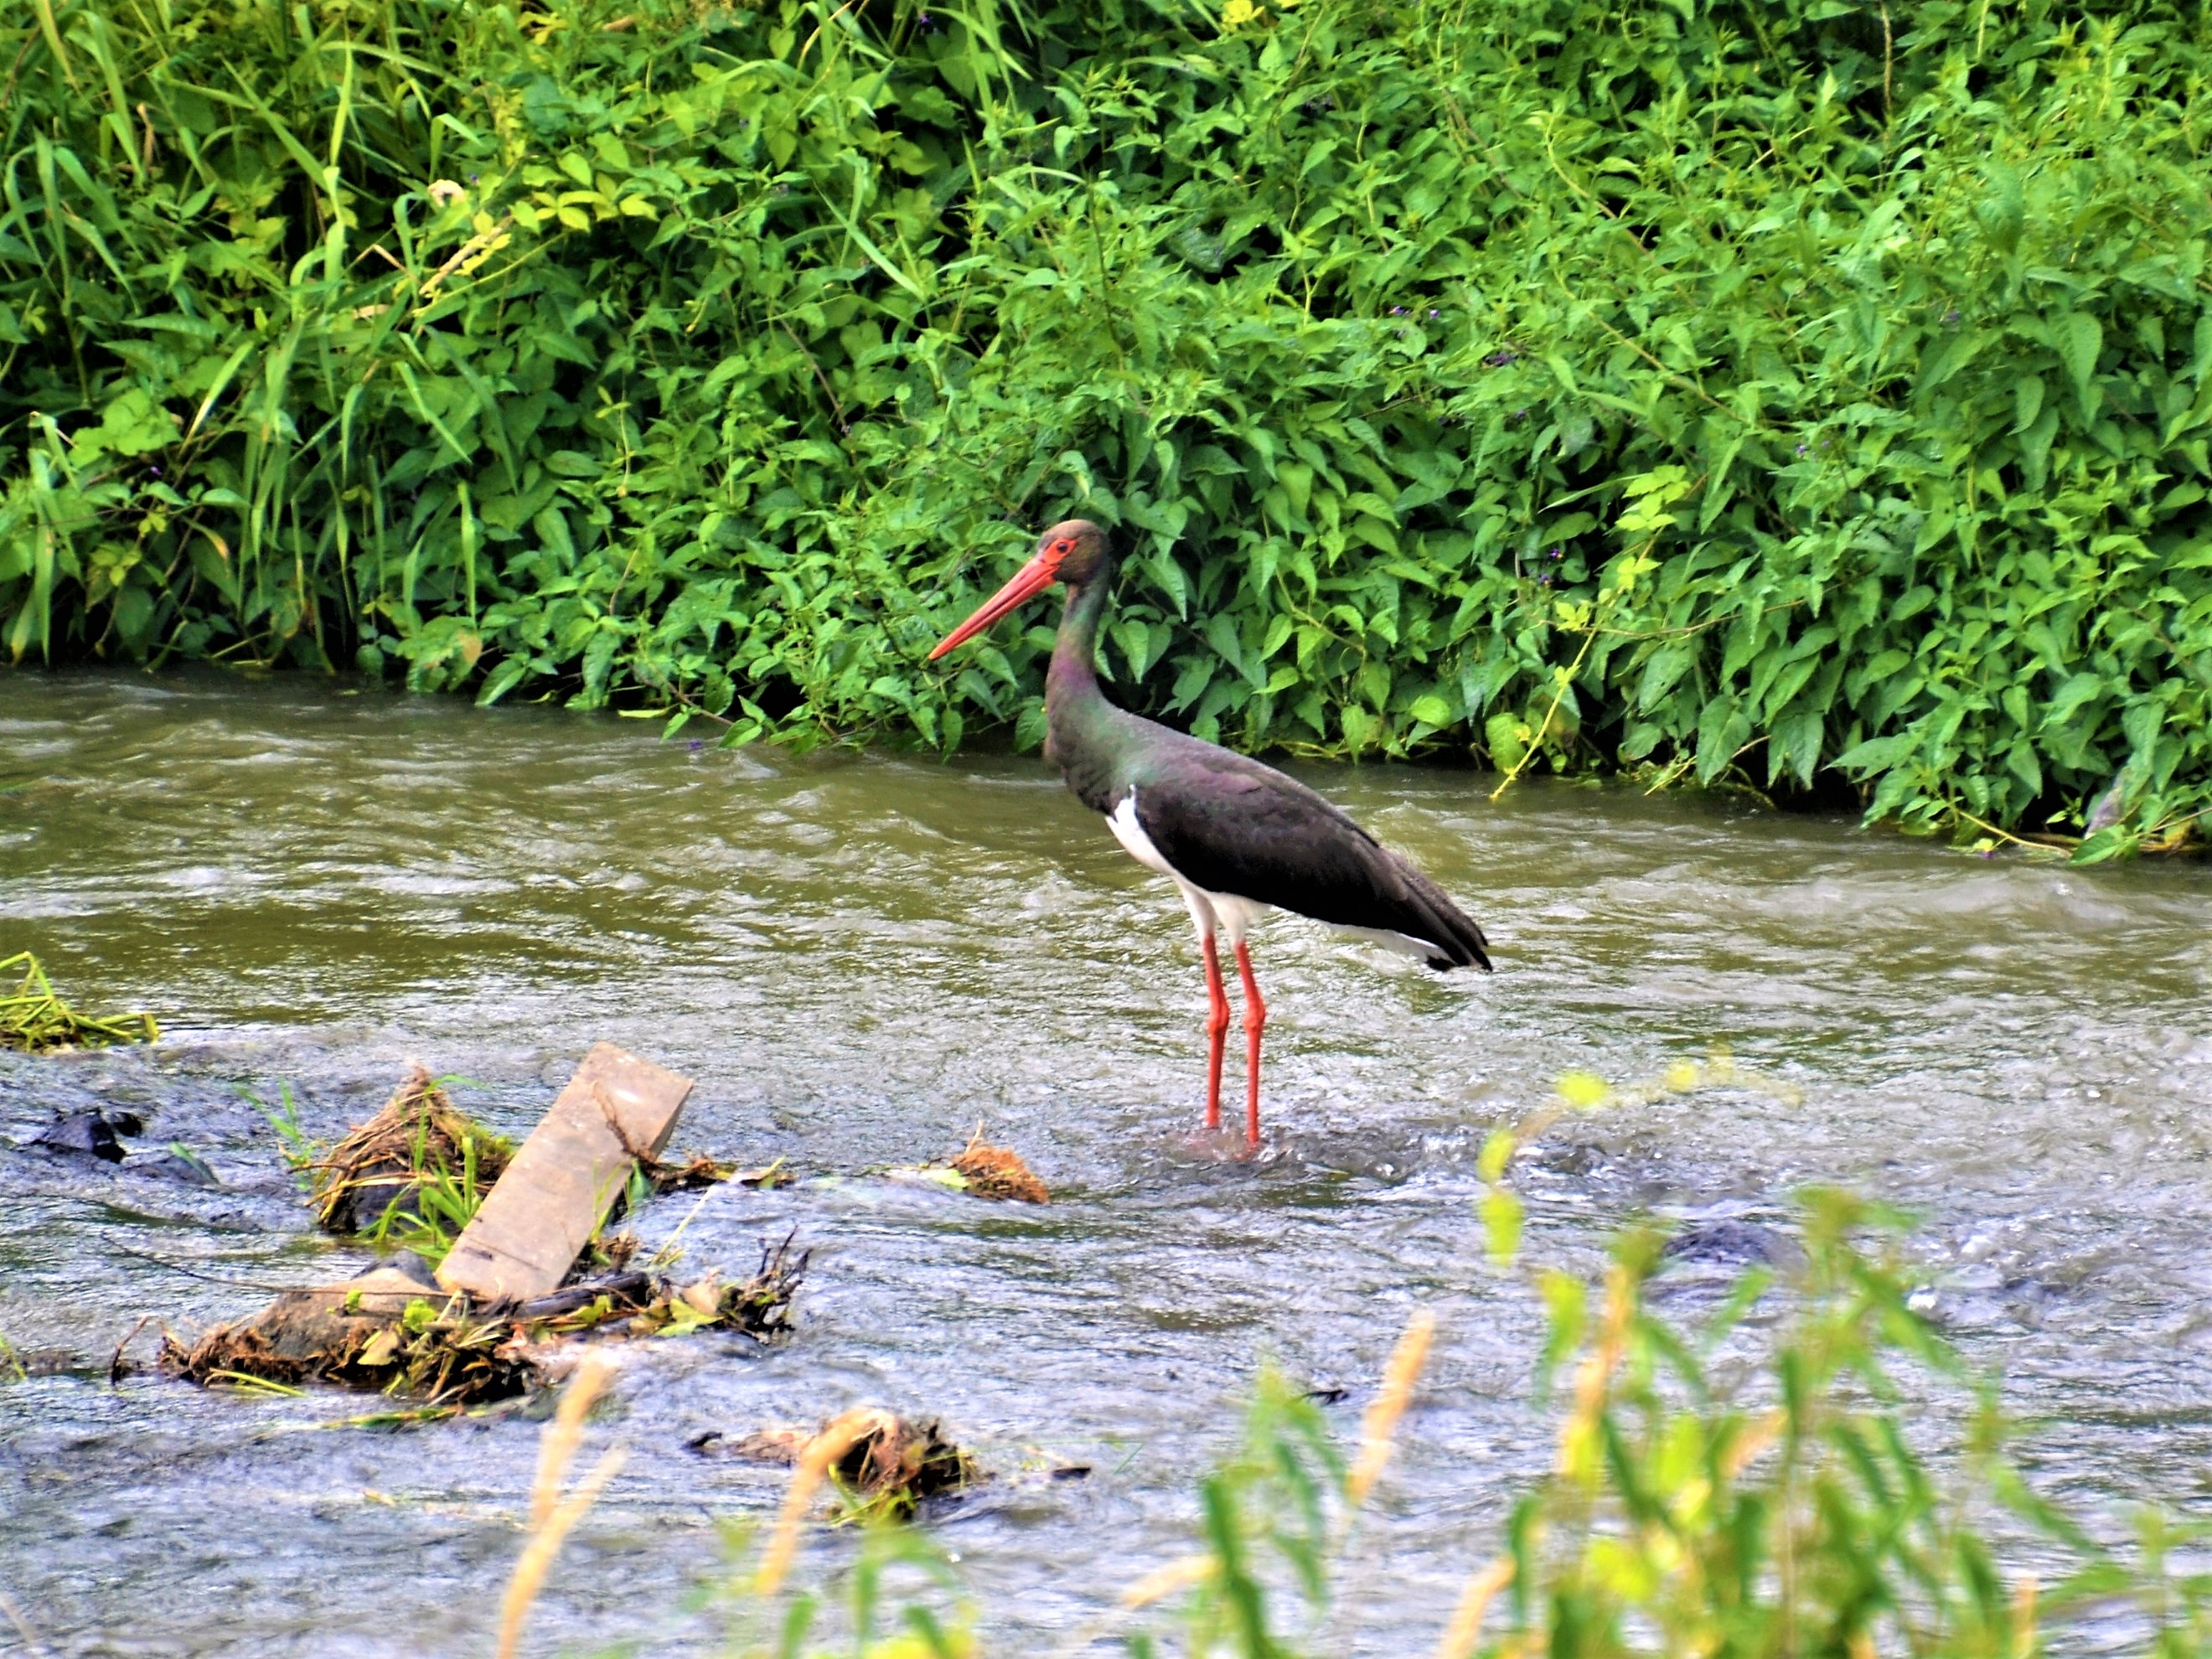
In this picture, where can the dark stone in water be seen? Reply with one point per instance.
(412, 1265)
(178, 1163)
(85, 1134)
(1579, 1158)
(1732, 1244)
(381, 1191)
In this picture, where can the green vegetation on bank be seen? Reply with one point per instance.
(1802, 392)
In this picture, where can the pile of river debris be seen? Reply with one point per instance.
(504, 1261)
(497, 1267)
(501, 1263)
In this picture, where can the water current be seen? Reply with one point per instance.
(861, 957)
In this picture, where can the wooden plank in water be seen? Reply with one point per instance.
(535, 1222)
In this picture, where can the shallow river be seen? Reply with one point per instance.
(860, 957)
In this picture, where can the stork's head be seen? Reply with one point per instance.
(1074, 552)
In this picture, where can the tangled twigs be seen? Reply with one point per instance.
(419, 1136)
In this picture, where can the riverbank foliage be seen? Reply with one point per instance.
(1799, 393)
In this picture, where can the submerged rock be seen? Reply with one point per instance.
(178, 1163)
(1733, 1244)
(83, 1135)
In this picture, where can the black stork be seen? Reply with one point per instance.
(1237, 838)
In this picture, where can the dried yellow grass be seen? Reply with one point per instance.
(1466, 1627)
(1754, 1440)
(1380, 1425)
(1179, 1574)
(2023, 1618)
(1578, 1457)
(556, 1446)
(836, 1439)
(553, 1517)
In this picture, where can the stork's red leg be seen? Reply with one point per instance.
(1217, 1030)
(1255, 1021)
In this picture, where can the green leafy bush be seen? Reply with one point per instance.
(1785, 391)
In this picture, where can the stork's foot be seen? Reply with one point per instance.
(1225, 1145)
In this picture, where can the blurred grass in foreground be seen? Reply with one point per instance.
(1714, 1491)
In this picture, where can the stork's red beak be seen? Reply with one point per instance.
(1031, 580)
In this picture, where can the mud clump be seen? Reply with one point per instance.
(391, 1329)
(892, 1464)
(882, 1463)
(994, 1172)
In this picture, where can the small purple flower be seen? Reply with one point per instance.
(153, 472)
(1499, 359)
(1397, 311)
(697, 744)
(473, 177)
(1951, 318)
(1801, 450)
(1434, 314)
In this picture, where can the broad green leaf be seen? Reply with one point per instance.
(2079, 338)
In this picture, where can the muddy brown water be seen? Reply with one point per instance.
(861, 955)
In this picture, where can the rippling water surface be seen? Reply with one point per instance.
(860, 957)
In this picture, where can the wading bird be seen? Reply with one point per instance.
(1237, 838)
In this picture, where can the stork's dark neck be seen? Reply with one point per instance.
(1084, 734)
(1073, 675)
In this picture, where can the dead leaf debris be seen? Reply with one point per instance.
(394, 1330)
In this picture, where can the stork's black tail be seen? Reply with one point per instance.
(1449, 928)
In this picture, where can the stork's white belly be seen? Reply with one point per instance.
(1230, 915)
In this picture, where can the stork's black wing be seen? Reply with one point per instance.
(1230, 824)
